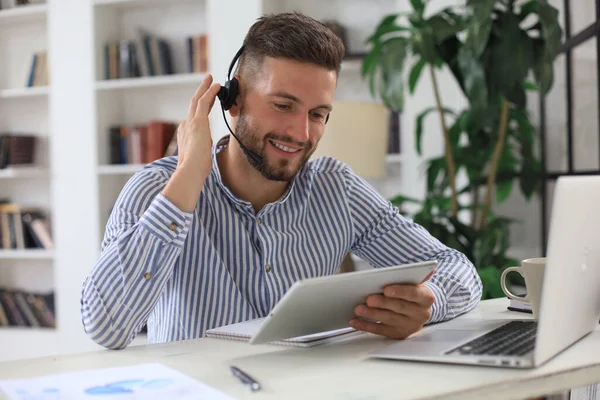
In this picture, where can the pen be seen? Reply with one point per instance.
(245, 378)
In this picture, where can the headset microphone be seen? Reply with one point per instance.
(227, 94)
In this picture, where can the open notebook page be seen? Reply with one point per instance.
(245, 330)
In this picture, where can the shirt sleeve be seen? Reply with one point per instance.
(383, 237)
(143, 239)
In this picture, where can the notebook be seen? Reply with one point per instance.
(518, 305)
(243, 331)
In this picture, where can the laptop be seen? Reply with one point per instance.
(569, 306)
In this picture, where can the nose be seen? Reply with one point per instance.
(299, 130)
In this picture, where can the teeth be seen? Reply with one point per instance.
(284, 148)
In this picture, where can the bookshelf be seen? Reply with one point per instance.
(25, 111)
(150, 82)
(23, 14)
(18, 93)
(126, 169)
(75, 180)
(27, 254)
(23, 172)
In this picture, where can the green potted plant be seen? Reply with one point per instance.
(496, 50)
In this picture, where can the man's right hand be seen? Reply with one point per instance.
(194, 146)
(194, 141)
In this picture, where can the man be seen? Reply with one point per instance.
(213, 237)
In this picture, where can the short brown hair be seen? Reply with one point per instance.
(294, 36)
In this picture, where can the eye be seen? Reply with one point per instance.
(318, 116)
(282, 107)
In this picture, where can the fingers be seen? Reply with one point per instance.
(419, 294)
(401, 307)
(392, 332)
(207, 101)
(204, 85)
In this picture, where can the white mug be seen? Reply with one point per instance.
(532, 270)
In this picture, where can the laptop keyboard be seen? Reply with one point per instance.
(515, 338)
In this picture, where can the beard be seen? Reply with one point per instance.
(280, 170)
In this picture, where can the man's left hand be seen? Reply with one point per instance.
(401, 311)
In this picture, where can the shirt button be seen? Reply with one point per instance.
(172, 226)
(259, 221)
(268, 268)
(147, 276)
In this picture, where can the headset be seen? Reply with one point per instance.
(227, 95)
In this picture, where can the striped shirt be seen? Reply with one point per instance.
(182, 273)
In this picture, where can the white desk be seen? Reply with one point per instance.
(340, 370)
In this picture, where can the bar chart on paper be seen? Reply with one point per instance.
(145, 381)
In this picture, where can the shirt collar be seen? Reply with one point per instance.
(220, 146)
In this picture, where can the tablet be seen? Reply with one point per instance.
(326, 303)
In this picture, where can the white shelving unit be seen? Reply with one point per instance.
(23, 14)
(25, 110)
(125, 169)
(150, 82)
(23, 92)
(23, 172)
(73, 115)
(27, 254)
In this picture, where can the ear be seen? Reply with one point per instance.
(234, 111)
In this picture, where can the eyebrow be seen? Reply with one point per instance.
(293, 98)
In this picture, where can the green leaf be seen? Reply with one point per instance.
(448, 52)
(401, 199)
(383, 27)
(369, 66)
(542, 70)
(443, 27)
(419, 125)
(459, 126)
(528, 8)
(418, 5)
(547, 46)
(511, 56)
(490, 280)
(462, 229)
(436, 165)
(531, 177)
(424, 44)
(551, 30)
(479, 25)
(503, 190)
(474, 83)
(384, 30)
(391, 84)
(415, 73)
(531, 86)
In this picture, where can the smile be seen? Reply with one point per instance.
(284, 148)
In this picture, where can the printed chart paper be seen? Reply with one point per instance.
(143, 381)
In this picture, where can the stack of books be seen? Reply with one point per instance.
(150, 55)
(17, 149)
(18, 308)
(24, 228)
(519, 305)
(197, 47)
(141, 144)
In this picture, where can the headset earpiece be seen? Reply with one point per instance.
(228, 93)
(230, 90)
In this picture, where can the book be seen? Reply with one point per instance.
(520, 306)
(243, 331)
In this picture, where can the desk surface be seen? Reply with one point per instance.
(340, 370)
